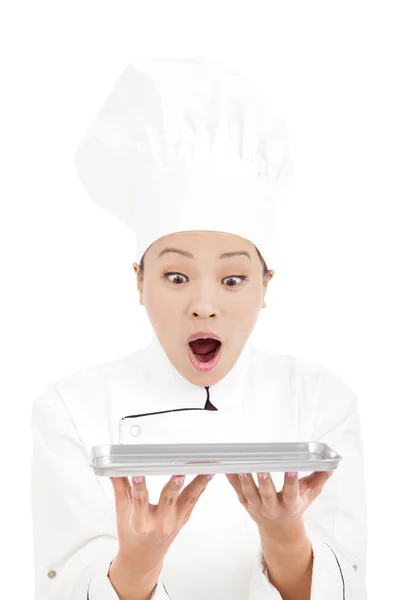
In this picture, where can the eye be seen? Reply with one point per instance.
(243, 277)
(177, 274)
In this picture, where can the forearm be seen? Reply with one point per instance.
(131, 584)
(289, 560)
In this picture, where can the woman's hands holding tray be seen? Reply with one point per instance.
(146, 531)
(278, 513)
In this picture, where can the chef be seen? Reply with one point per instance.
(186, 153)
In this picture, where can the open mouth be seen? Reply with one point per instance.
(205, 349)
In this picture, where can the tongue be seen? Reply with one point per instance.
(204, 346)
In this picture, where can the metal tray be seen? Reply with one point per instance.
(120, 460)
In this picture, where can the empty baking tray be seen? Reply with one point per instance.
(120, 460)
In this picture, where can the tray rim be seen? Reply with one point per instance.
(330, 459)
(195, 448)
(112, 471)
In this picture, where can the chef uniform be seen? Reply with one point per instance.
(265, 397)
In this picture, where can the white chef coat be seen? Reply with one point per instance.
(265, 397)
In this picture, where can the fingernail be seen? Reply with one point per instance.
(243, 475)
(209, 476)
(138, 478)
(179, 480)
(262, 475)
(291, 474)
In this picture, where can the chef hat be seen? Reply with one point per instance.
(183, 145)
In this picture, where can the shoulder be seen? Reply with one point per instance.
(93, 373)
(303, 367)
(86, 385)
(318, 387)
(80, 404)
(285, 365)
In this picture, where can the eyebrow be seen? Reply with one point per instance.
(189, 255)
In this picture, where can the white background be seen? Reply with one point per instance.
(336, 72)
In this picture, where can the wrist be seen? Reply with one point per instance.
(133, 579)
(140, 565)
(290, 535)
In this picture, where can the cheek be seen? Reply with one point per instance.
(161, 305)
(246, 313)
(245, 305)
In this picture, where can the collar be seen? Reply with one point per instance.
(227, 394)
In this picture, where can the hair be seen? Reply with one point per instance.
(263, 262)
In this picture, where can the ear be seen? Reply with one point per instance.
(139, 281)
(269, 275)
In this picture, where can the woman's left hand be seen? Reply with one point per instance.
(276, 511)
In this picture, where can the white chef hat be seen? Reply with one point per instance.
(186, 144)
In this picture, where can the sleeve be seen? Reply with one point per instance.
(335, 521)
(74, 527)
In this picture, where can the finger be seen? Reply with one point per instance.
(234, 480)
(290, 492)
(170, 493)
(121, 489)
(188, 514)
(249, 488)
(190, 496)
(267, 489)
(191, 508)
(314, 483)
(315, 478)
(140, 505)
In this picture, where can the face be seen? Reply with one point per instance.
(183, 295)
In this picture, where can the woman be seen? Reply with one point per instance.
(153, 161)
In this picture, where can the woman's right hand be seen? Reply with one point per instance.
(146, 531)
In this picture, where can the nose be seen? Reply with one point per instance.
(204, 315)
(203, 304)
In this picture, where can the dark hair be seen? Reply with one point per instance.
(265, 268)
